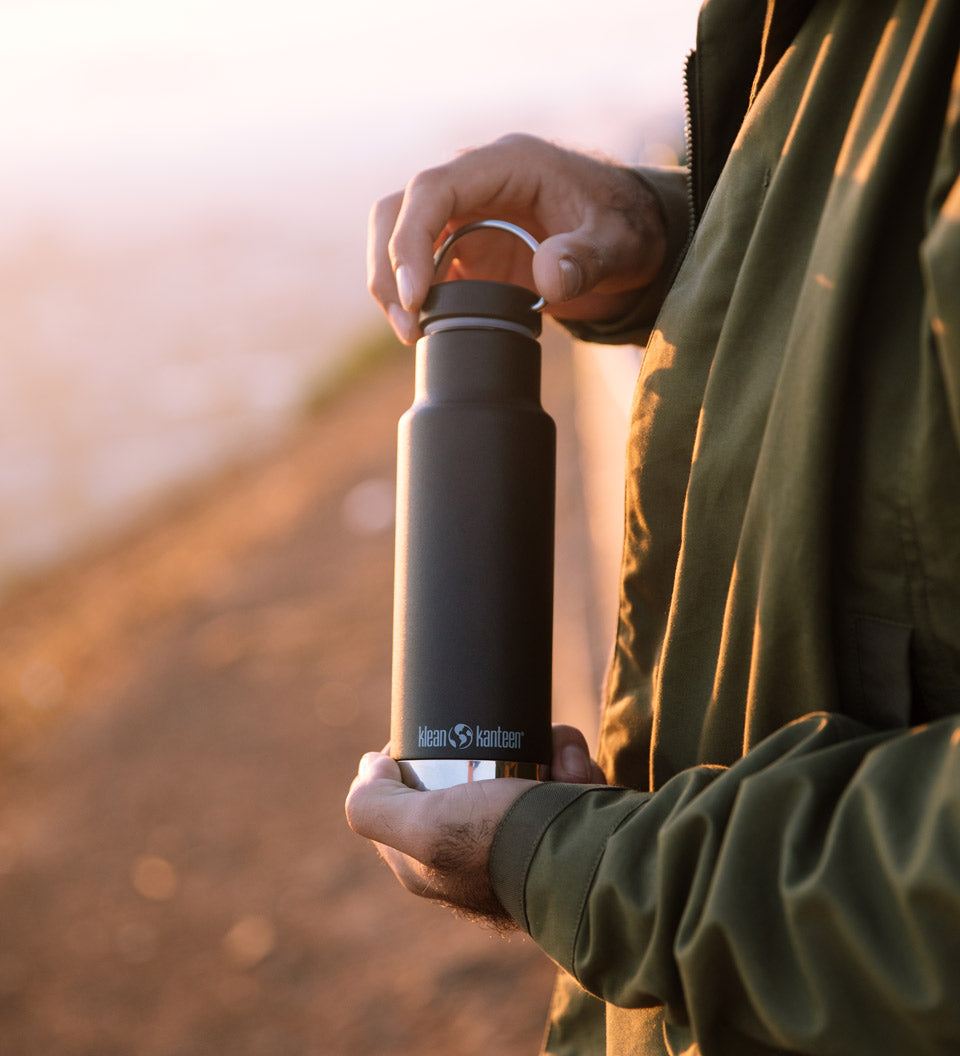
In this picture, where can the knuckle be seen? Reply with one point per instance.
(387, 206)
(351, 812)
(356, 811)
(427, 183)
(376, 286)
(393, 251)
(520, 141)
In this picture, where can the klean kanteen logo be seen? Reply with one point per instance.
(463, 736)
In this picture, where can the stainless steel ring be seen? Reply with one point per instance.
(429, 774)
(498, 225)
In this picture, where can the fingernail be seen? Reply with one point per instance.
(570, 278)
(575, 763)
(401, 321)
(405, 287)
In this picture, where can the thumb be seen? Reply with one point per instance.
(571, 758)
(566, 266)
(572, 264)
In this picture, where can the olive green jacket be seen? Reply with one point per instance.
(780, 869)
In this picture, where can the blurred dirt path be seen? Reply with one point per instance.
(181, 716)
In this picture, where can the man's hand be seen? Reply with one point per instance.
(438, 843)
(601, 231)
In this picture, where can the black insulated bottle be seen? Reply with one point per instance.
(473, 597)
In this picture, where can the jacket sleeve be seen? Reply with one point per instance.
(808, 897)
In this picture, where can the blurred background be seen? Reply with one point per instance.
(197, 416)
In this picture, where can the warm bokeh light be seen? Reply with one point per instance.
(197, 496)
(183, 199)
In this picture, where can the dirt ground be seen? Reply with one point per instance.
(180, 717)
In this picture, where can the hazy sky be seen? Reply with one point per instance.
(184, 188)
(99, 85)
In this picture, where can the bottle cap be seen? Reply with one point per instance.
(480, 304)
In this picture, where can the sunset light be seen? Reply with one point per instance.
(198, 421)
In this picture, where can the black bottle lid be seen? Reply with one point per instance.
(480, 304)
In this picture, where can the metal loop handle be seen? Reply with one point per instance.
(499, 225)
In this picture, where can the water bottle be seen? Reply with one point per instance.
(473, 592)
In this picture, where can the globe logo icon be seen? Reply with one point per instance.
(461, 736)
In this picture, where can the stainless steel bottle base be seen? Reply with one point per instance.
(430, 774)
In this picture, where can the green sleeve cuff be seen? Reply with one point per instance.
(540, 834)
(670, 187)
(517, 838)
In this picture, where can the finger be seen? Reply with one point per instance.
(500, 177)
(426, 208)
(382, 808)
(436, 843)
(375, 806)
(571, 758)
(606, 253)
(381, 278)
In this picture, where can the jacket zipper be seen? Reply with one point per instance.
(689, 133)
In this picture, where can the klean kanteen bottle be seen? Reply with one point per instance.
(473, 595)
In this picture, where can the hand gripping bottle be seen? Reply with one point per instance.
(473, 593)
